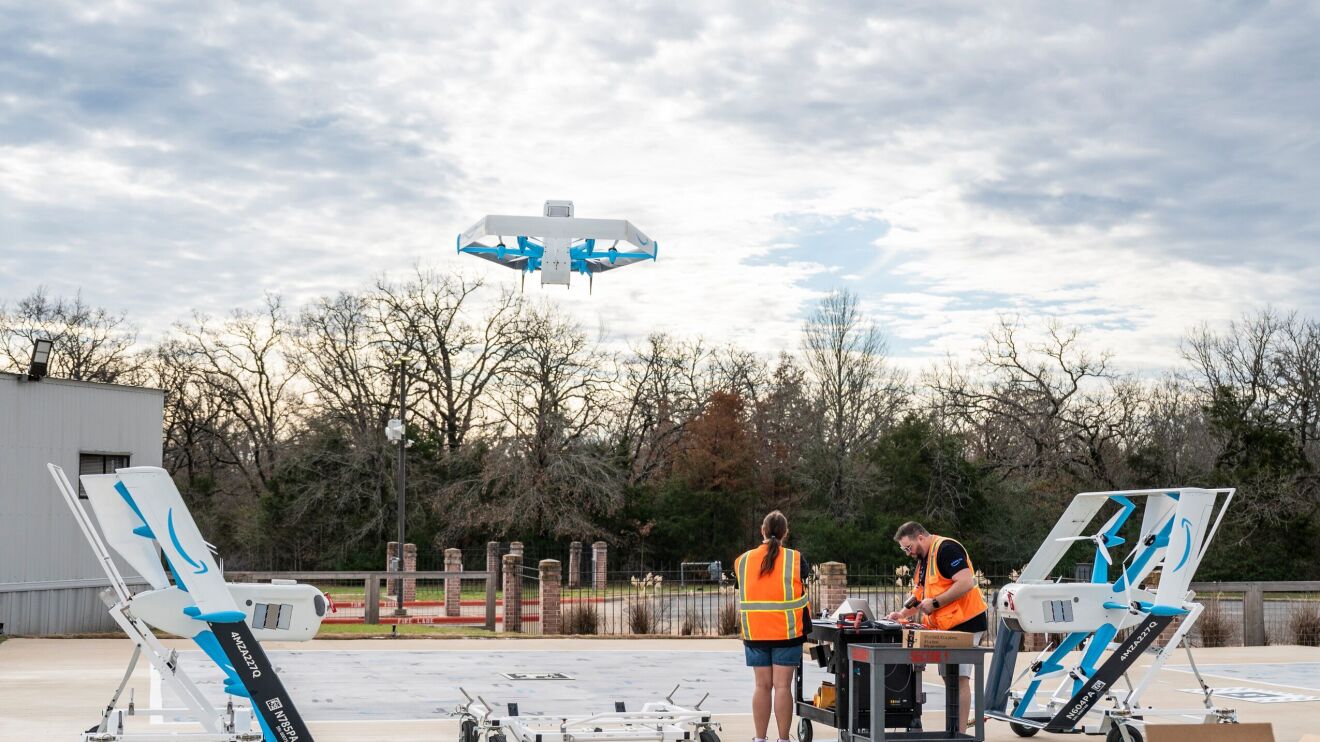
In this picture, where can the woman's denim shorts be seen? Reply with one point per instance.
(767, 656)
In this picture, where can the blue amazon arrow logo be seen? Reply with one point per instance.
(1187, 544)
(201, 569)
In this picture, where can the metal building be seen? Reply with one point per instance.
(49, 581)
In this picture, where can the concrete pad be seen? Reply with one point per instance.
(1297, 675)
(367, 690)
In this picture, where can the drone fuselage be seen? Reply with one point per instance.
(1066, 607)
(556, 265)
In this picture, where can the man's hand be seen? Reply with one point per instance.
(928, 606)
(895, 616)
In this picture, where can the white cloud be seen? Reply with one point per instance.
(1132, 170)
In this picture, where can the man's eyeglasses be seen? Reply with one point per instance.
(910, 549)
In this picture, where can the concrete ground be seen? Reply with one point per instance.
(366, 690)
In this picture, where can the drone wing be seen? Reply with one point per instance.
(508, 259)
(600, 262)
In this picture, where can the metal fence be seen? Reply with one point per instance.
(696, 602)
(674, 603)
(1257, 613)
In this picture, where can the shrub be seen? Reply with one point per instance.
(730, 624)
(693, 624)
(1214, 625)
(644, 609)
(1305, 624)
(641, 616)
(581, 618)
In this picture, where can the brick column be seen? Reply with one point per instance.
(453, 585)
(833, 585)
(516, 547)
(410, 565)
(599, 555)
(512, 592)
(552, 583)
(575, 564)
(494, 581)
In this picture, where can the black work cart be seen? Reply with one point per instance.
(829, 648)
(873, 669)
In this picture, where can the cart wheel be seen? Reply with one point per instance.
(804, 730)
(708, 735)
(1115, 735)
(1022, 730)
(497, 737)
(467, 731)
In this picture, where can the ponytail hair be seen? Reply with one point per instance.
(775, 528)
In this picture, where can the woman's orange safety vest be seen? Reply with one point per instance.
(770, 605)
(969, 606)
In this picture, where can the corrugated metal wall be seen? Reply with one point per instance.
(73, 611)
(54, 420)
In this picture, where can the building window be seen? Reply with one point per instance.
(99, 463)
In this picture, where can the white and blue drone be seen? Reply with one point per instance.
(141, 517)
(557, 244)
(1109, 622)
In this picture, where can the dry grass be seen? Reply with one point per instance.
(1305, 624)
(1214, 625)
(729, 623)
(581, 619)
(694, 624)
(642, 618)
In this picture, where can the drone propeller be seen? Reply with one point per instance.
(1099, 541)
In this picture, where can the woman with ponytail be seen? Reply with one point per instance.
(775, 618)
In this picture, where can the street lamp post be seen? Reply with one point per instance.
(396, 432)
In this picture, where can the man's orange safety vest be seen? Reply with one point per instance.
(770, 605)
(969, 606)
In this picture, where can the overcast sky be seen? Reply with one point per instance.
(1130, 168)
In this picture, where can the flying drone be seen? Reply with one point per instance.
(557, 244)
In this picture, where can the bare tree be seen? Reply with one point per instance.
(351, 376)
(663, 386)
(1239, 361)
(242, 368)
(430, 319)
(1172, 443)
(1258, 379)
(549, 472)
(1296, 360)
(859, 395)
(89, 343)
(741, 372)
(785, 419)
(192, 417)
(1040, 409)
